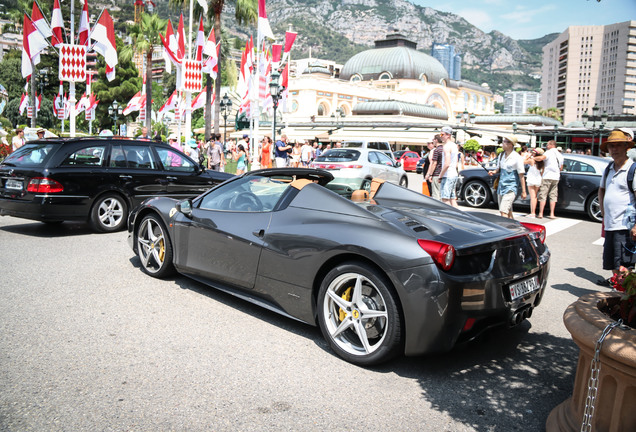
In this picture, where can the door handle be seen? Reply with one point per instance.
(125, 177)
(259, 234)
(171, 178)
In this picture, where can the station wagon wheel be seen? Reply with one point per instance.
(593, 208)
(153, 247)
(476, 194)
(109, 213)
(358, 315)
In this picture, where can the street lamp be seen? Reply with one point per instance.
(514, 128)
(556, 131)
(595, 117)
(226, 109)
(114, 111)
(275, 90)
(44, 79)
(465, 118)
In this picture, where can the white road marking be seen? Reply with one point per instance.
(556, 225)
(599, 242)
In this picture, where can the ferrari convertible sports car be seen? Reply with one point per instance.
(382, 270)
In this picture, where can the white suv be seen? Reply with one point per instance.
(383, 146)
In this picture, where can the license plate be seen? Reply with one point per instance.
(524, 287)
(13, 184)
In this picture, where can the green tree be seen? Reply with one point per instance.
(145, 35)
(126, 83)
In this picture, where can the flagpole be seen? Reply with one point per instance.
(188, 107)
(71, 92)
(256, 98)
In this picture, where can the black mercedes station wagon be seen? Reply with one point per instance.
(96, 179)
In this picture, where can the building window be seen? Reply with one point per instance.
(356, 78)
(385, 76)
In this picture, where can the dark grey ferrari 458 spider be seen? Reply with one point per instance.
(382, 270)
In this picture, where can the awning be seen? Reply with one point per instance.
(392, 136)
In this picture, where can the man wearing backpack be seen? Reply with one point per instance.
(616, 198)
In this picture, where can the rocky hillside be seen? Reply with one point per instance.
(339, 29)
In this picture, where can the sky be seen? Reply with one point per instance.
(534, 19)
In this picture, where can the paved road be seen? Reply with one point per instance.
(89, 343)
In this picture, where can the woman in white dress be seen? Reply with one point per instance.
(533, 178)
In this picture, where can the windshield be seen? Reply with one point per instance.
(352, 144)
(339, 155)
(32, 155)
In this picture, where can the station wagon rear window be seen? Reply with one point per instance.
(33, 155)
(88, 156)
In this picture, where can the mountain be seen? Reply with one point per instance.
(337, 30)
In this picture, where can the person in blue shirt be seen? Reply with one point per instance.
(280, 152)
(511, 177)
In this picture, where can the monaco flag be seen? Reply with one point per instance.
(32, 44)
(39, 22)
(84, 28)
(104, 36)
(134, 104)
(170, 104)
(24, 103)
(264, 30)
(170, 45)
(200, 40)
(57, 25)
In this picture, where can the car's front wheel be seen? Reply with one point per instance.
(109, 213)
(476, 194)
(359, 315)
(404, 182)
(153, 247)
(593, 208)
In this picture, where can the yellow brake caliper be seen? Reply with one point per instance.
(346, 295)
(162, 250)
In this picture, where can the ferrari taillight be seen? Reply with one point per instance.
(443, 254)
(537, 230)
(44, 185)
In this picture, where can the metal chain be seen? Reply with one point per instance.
(592, 384)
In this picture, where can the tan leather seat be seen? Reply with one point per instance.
(360, 195)
(375, 185)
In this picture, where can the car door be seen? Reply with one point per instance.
(182, 176)
(578, 180)
(132, 167)
(389, 170)
(223, 239)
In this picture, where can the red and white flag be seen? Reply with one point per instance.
(24, 103)
(290, 37)
(264, 30)
(104, 36)
(134, 104)
(277, 50)
(285, 85)
(211, 48)
(170, 104)
(32, 44)
(82, 104)
(170, 47)
(84, 28)
(199, 101)
(57, 25)
(200, 40)
(180, 39)
(39, 22)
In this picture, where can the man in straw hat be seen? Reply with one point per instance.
(615, 197)
(511, 176)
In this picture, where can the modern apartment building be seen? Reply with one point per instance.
(451, 61)
(591, 65)
(518, 102)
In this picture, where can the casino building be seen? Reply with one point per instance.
(392, 87)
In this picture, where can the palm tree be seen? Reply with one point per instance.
(246, 12)
(145, 36)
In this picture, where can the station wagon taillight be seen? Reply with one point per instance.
(443, 254)
(44, 185)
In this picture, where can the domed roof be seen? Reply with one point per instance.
(398, 57)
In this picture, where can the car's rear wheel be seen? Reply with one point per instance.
(404, 182)
(476, 194)
(153, 247)
(358, 314)
(109, 213)
(593, 208)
